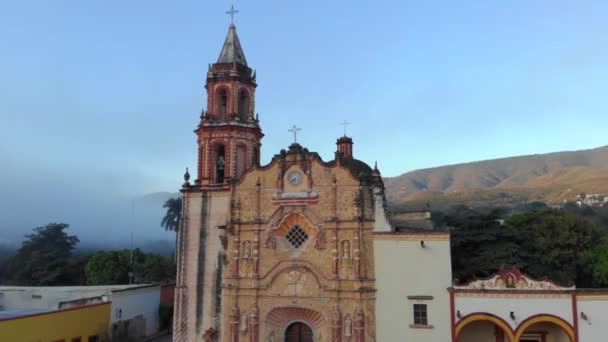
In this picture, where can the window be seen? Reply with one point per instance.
(94, 338)
(420, 314)
(296, 236)
(220, 164)
(223, 102)
(243, 104)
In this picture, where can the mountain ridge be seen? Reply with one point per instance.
(541, 174)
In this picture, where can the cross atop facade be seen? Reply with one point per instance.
(232, 12)
(295, 131)
(345, 123)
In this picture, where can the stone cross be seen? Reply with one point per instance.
(295, 131)
(345, 123)
(232, 12)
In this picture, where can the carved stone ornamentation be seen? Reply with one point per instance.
(336, 324)
(234, 323)
(359, 325)
(270, 240)
(320, 238)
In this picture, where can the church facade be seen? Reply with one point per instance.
(294, 250)
(303, 249)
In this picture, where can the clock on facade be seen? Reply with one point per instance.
(294, 178)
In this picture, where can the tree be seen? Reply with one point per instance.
(480, 243)
(172, 219)
(113, 267)
(107, 267)
(44, 257)
(173, 215)
(557, 245)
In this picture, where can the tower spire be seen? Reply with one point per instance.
(232, 52)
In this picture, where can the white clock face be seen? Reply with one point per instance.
(294, 178)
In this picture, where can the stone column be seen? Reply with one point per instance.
(234, 323)
(359, 325)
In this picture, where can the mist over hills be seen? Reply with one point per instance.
(552, 177)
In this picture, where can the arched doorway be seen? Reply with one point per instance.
(298, 332)
(483, 327)
(545, 328)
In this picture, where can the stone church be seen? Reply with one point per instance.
(303, 249)
(292, 250)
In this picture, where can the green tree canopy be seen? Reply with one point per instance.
(44, 257)
(556, 244)
(113, 267)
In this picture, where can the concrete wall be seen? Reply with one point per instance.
(404, 268)
(595, 307)
(128, 301)
(48, 297)
(134, 303)
(58, 325)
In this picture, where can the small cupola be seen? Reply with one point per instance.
(345, 146)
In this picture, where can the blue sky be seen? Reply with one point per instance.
(98, 99)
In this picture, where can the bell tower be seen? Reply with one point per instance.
(228, 134)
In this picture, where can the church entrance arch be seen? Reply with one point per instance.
(298, 332)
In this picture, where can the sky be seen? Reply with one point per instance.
(99, 99)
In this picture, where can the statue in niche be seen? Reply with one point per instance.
(359, 318)
(271, 337)
(510, 283)
(254, 314)
(271, 239)
(345, 249)
(348, 326)
(243, 325)
(247, 249)
(336, 316)
(234, 314)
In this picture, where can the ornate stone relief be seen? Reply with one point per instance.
(511, 279)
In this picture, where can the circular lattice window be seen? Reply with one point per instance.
(296, 236)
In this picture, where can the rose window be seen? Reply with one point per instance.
(296, 236)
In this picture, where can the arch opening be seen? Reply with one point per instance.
(483, 328)
(244, 104)
(545, 328)
(298, 332)
(222, 102)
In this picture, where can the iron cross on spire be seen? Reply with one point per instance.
(295, 131)
(345, 123)
(232, 12)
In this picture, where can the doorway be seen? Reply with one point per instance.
(298, 332)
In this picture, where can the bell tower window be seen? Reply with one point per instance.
(219, 164)
(243, 104)
(222, 108)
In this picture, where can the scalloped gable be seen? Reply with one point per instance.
(512, 279)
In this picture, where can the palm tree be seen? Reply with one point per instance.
(172, 218)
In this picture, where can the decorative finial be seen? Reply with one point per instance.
(376, 165)
(345, 123)
(187, 178)
(232, 12)
(295, 131)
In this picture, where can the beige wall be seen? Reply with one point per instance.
(403, 268)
